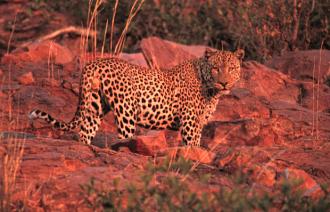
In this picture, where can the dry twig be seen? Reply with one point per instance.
(71, 29)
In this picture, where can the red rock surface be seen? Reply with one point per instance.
(163, 54)
(305, 65)
(270, 126)
(26, 79)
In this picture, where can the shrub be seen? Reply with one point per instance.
(263, 28)
(165, 187)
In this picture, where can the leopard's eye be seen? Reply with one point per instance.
(215, 68)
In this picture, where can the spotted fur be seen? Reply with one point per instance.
(181, 98)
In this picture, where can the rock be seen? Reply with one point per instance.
(314, 97)
(263, 175)
(224, 134)
(304, 121)
(26, 79)
(137, 59)
(303, 65)
(197, 154)
(46, 52)
(162, 54)
(2, 94)
(257, 78)
(173, 138)
(241, 104)
(195, 50)
(64, 167)
(266, 125)
(49, 50)
(227, 159)
(72, 67)
(266, 137)
(151, 143)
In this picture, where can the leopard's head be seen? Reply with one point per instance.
(225, 67)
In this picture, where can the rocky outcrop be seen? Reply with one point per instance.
(311, 65)
(272, 126)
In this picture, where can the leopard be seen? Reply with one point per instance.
(181, 98)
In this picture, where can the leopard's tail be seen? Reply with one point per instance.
(73, 124)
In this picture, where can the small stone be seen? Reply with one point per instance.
(26, 79)
(227, 159)
(151, 143)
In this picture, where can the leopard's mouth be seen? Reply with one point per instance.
(222, 86)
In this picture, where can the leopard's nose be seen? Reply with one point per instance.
(224, 84)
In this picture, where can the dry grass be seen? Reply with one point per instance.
(92, 24)
(11, 161)
(316, 97)
(13, 148)
(11, 34)
(94, 9)
(318, 92)
(121, 41)
(113, 25)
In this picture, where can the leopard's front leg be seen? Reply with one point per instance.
(191, 130)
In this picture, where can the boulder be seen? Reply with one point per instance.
(310, 65)
(134, 58)
(268, 83)
(46, 52)
(49, 50)
(162, 54)
(314, 96)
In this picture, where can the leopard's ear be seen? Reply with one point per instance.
(239, 53)
(209, 52)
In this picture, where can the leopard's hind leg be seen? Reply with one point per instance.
(92, 117)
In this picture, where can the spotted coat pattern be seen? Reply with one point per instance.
(181, 98)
